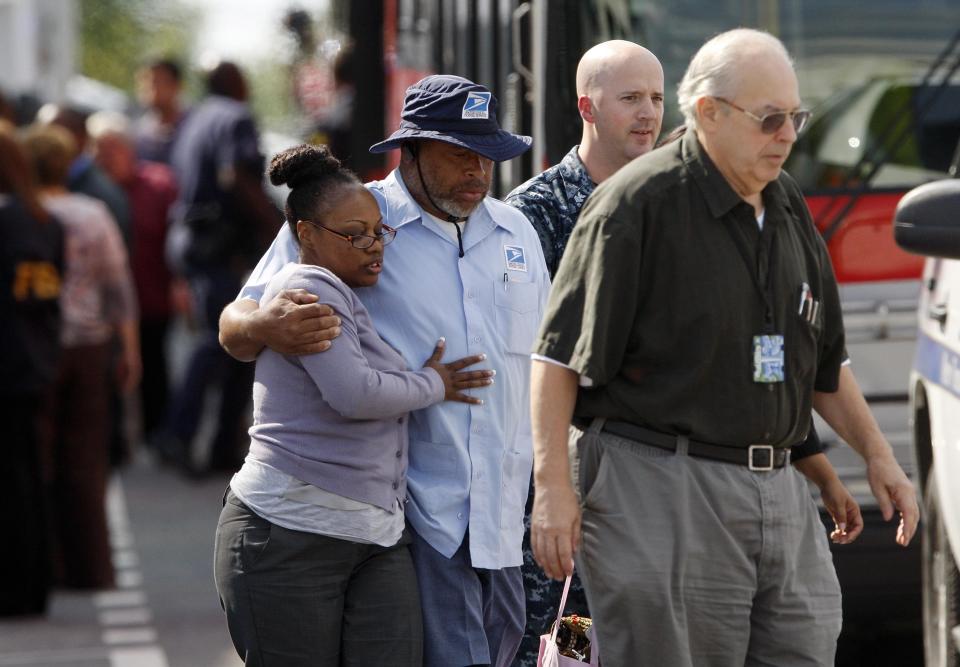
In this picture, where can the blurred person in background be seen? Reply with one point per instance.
(159, 83)
(98, 302)
(221, 222)
(31, 265)
(323, 85)
(84, 175)
(151, 190)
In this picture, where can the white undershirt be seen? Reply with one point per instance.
(447, 227)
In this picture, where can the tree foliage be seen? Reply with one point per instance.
(116, 35)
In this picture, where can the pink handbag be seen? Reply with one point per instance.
(549, 655)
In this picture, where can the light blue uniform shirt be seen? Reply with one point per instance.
(469, 464)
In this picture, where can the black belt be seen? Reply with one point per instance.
(755, 457)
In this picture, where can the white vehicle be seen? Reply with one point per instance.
(928, 222)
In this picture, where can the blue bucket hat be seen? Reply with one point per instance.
(457, 111)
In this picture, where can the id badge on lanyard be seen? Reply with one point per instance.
(768, 352)
(768, 359)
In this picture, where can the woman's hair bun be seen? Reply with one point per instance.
(302, 164)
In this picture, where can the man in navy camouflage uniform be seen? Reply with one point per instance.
(620, 99)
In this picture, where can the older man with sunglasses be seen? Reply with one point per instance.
(693, 324)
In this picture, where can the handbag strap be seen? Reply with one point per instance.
(595, 652)
(563, 603)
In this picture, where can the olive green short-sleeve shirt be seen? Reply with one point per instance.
(663, 286)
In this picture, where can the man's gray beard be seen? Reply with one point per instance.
(454, 208)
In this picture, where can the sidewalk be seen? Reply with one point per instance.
(164, 611)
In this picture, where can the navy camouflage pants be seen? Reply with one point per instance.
(543, 596)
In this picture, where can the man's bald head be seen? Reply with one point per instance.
(607, 58)
(620, 99)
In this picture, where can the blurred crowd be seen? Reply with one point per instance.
(112, 227)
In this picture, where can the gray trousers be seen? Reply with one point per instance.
(694, 563)
(296, 599)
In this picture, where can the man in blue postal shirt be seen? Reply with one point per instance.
(470, 268)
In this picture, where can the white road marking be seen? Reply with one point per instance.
(120, 599)
(147, 656)
(126, 607)
(128, 579)
(131, 616)
(125, 558)
(115, 636)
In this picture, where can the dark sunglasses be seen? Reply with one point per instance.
(772, 122)
(360, 241)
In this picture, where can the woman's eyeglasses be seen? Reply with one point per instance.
(771, 122)
(360, 241)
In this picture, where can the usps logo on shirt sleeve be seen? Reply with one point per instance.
(476, 106)
(516, 257)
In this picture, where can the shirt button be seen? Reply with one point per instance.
(476, 339)
(470, 294)
(766, 435)
(400, 420)
(395, 485)
(459, 515)
(770, 388)
(399, 453)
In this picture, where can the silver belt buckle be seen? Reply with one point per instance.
(754, 448)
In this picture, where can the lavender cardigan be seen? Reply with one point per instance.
(338, 419)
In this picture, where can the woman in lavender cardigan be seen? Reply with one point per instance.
(311, 559)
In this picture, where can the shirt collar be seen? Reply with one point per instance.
(721, 197)
(574, 170)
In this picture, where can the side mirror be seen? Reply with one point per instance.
(927, 220)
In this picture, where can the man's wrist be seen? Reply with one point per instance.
(251, 327)
(553, 475)
(878, 450)
(818, 470)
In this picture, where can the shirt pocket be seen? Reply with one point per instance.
(517, 306)
(806, 346)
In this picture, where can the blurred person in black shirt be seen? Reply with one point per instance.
(31, 265)
(222, 221)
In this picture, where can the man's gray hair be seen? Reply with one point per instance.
(717, 68)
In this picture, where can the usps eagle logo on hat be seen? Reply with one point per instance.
(476, 106)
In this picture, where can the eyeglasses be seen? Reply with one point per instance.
(772, 122)
(360, 241)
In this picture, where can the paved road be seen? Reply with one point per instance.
(164, 612)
